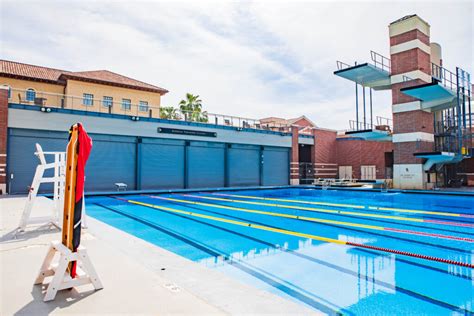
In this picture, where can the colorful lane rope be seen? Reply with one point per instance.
(375, 208)
(298, 234)
(313, 219)
(335, 212)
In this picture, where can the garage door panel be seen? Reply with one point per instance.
(22, 161)
(276, 166)
(205, 165)
(244, 166)
(162, 166)
(109, 163)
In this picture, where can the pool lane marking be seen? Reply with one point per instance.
(317, 220)
(322, 210)
(219, 253)
(298, 234)
(377, 208)
(291, 289)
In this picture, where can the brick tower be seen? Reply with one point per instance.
(413, 132)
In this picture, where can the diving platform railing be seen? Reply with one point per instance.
(374, 74)
(382, 124)
(382, 131)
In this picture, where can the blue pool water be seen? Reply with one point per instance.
(328, 277)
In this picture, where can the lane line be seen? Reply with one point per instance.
(321, 210)
(377, 208)
(327, 264)
(298, 234)
(317, 220)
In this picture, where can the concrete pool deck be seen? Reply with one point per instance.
(138, 277)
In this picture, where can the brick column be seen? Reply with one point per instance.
(3, 138)
(323, 153)
(412, 127)
(295, 160)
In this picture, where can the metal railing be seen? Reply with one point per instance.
(445, 77)
(341, 65)
(135, 111)
(380, 61)
(382, 124)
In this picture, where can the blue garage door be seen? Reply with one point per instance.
(112, 160)
(162, 164)
(21, 159)
(205, 165)
(243, 165)
(276, 166)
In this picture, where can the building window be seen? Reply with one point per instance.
(30, 95)
(108, 102)
(143, 106)
(88, 99)
(126, 104)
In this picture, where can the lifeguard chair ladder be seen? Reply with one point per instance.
(58, 179)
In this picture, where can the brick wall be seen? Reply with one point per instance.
(413, 121)
(3, 138)
(324, 146)
(409, 36)
(358, 152)
(403, 152)
(413, 59)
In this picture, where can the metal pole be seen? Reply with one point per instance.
(458, 111)
(357, 107)
(371, 120)
(363, 101)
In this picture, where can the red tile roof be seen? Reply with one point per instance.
(26, 71)
(108, 77)
(29, 71)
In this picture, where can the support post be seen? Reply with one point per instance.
(294, 162)
(61, 280)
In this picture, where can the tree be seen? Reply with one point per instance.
(192, 108)
(169, 113)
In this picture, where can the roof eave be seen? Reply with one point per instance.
(161, 91)
(15, 76)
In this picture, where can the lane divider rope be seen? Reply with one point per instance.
(322, 210)
(298, 234)
(376, 208)
(316, 220)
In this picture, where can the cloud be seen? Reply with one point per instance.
(251, 59)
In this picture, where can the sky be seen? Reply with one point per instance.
(248, 58)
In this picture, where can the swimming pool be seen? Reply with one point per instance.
(336, 251)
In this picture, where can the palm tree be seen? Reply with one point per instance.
(169, 113)
(192, 108)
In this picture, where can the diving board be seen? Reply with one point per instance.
(434, 96)
(366, 75)
(438, 157)
(372, 134)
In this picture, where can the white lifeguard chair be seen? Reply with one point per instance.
(58, 180)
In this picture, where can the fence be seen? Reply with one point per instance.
(136, 111)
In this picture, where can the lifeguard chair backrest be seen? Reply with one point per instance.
(39, 153)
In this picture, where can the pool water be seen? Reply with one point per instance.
(293, 242)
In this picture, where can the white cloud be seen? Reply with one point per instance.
(251, 59)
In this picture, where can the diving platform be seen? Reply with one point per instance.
(434, 96)
(366, 75)
(438, 157)
(372, 134)
(375, 75)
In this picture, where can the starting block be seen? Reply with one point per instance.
(61, 280)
